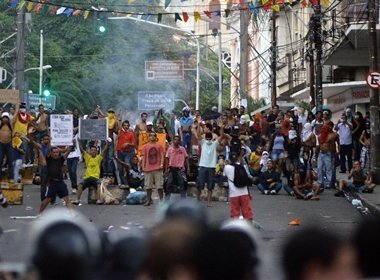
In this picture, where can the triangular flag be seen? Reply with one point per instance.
(60, 10)
(325, 2)
(86, 14)
(197, 16)
(14, 4)
(185, 16)
(217, 13)
(208, 14)
(264, 1)
(280, 1)
(304, 3)
(45, 9)
(177, 17)
(314, 2)
(53, 10)
(76, 13)
(159, 18)
(29, 7)
(290, 1)
(68, 11)
(229, 4)
(21, 5)
(37, 8)
(147, 17)
(266, 7)
(276, 8)
(253, 9)
(167, 3)
(227, 12)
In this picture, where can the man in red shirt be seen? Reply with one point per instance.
(125, 149)
(177, 161)
(152, 164)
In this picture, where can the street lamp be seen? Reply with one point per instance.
(181, 30)
(45, 67)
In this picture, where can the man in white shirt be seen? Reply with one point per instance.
(344, 129)
(240, 199)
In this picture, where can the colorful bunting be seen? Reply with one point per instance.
(45, 7)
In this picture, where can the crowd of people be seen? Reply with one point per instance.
(164, 151)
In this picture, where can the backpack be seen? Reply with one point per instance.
(241, 178)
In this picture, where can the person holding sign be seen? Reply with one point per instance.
(92, 176)
(153, 164)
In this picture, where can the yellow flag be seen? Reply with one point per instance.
(325, 2)
(276, 8)
(264, 1)
(131, 1)
(21, 4)
(29, 7)
(197, 16)
(86, 14)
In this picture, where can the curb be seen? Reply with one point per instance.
(367, 202)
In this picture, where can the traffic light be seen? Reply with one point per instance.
(101, 23)
(46, 87)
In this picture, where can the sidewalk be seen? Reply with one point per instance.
(369, 200)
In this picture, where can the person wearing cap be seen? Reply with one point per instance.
(125, 145)
(6, 144)
(293, 147)
(270, 180)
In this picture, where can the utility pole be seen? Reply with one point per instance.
(243, 77)
(274, 59)
(220, 80)
(20, 52)
(310, 55)
(374, 95)
(318, 49)
(41, 60)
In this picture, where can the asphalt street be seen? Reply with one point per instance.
(272, 212)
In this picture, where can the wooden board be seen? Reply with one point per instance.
(14, 193)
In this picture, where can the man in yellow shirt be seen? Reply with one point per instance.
(92, 176)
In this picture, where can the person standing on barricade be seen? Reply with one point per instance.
(93, 163)
(177, 162)
(152, 161)
(186, 122)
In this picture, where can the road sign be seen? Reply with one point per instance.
(164, 70)
(154, 100)
(373, 80)
(35, 100)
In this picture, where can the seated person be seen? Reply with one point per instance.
(360, 181)
(254, 161)
(270, 180)
(134, 175)
(302, 182)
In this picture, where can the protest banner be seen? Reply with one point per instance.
(61, 130)
(93, 129)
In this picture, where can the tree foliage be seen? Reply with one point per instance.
(107, 70)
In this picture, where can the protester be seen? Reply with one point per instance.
(152, 161)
